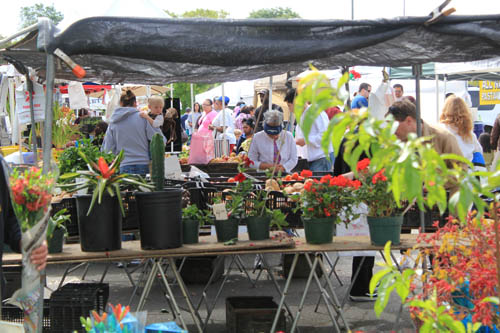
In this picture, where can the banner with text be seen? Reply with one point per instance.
(23, 104)
(489, 92)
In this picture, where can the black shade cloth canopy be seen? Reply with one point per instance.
(146, 50)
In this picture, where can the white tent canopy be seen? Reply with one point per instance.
(236, 91)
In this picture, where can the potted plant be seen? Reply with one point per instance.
(192, 219)
(160, 211)
(322, 202)
(384, 217)
(100, 213)
(56, 231)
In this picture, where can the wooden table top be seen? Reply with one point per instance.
(208, 246)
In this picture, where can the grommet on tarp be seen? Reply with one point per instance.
(77, 70)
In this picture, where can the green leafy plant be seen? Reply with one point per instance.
(70, 159)
(63, 130)
(192, 212)
(103, 179)
(58, 221)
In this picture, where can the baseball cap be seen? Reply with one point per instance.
(226, 99)
(263, 91)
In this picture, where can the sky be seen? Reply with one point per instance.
(239, 9)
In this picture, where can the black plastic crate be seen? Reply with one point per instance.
(252, 314)
(74, 300)
(14, 314)
(201, 196)
(70, 205)
(278, 200)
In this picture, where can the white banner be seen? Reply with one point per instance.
(23, 103)
(77, 97)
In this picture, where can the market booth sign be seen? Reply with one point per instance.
(489, 92)
(23, 104)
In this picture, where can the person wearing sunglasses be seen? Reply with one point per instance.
(361, 99)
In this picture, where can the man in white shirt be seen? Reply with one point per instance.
(313, 151)
(398, 92)
(223, 124)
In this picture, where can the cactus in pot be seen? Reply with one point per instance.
(157, 148)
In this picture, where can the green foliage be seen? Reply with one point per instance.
(278, 219)
(30, 14)
(158, 161)
(276, 13)
(200, 13)
(192, 212)
(58, 221)
(70, 159)
(182, 91)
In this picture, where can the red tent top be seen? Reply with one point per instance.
(89, 88)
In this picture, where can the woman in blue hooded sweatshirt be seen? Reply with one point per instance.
(129, 132)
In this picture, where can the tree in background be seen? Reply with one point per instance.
(277, 13)
(200, 13)
(182, 91)
(30, 15)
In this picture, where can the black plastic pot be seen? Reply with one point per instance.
(160, 219)
(101, 230)
(190, 231)
(55, 244)
(258, 227)
(226, 229)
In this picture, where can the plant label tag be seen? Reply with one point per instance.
(220, 211)
(414, 231)
(173, 168)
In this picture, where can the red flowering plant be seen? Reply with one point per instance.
(31, 195)
(103, 179)
(374, 191)
(328, 197)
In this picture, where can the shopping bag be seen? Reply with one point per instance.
(202, 148)
(221, 147)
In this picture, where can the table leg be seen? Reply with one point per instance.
(85, 271)
(242, 267)
(105, 272)
(169, 291)
(194, 313)
(128, 274)
(147, 287)
(139, 282)
(210, 309)
(285, 292)
(332, 271)
(266, 266)
(69, 270)
(306, 290)
(219, 261)
(344, 300)
(323, 292)
(336, 303)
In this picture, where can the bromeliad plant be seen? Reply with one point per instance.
(104, 179)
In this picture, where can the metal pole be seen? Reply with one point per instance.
(437, 98)
(49, 114)
(270, 106)
(224, 120)
(171, 95)
(404, 7)
(29, 85)
(352, 10)
(417, 71)
(19, 33)
(192, 98)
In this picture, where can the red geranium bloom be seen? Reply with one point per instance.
(325, 179)
(307, 186)
(247, 161)
(306, 173)
(363, 164)
(240, 177)
(379, 176)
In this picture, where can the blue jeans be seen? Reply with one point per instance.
(321, 164)
(135, 169)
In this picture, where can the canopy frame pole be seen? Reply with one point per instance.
(17, 34)
(417, 71)
(49, 113)
(224, 121)
(437, 98)
(192, 97)
(270, 105)
(29, 86)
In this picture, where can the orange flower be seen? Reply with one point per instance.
(363, 164)
(307, 186)
(104, 168)
(306, 173)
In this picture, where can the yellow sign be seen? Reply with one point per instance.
(489, 92)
